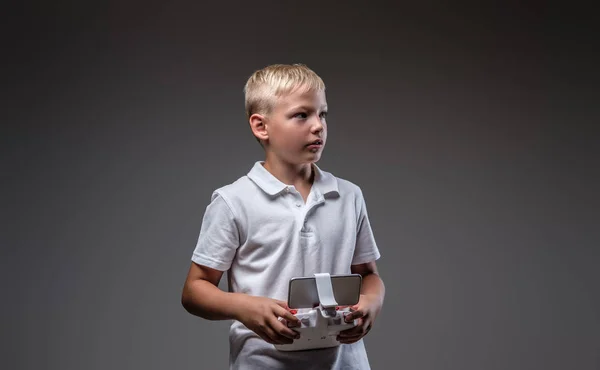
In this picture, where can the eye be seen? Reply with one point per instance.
(324, 114)
(300, 115)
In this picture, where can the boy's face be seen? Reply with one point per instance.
(296, 121)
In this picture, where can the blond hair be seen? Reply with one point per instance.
(265, 85)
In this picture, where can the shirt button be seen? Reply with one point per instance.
(298, 204)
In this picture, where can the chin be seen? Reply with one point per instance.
(304, 159)
(315, 159)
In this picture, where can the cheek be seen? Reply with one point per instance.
(295, 138)
(286, 140)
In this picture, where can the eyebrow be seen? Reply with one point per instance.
(305, 107)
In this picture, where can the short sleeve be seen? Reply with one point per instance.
(366, 248)
(219, 236)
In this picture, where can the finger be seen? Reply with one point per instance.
(359, 329)
(286, 323)
(283, 321)
(282, 329)
(349, 340)
(282, 312)
(265, 331)
(354, 314)
(282, 303)
(276, 337)
(350, 332)
(352, 337)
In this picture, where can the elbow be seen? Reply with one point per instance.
(192, 305)
(186, 300)
(185, 303)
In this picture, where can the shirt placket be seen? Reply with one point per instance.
(315, 199)
(303, 212)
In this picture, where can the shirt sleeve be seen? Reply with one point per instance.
(366, 249)
(219, 236)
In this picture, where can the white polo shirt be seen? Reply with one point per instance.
(262, 232)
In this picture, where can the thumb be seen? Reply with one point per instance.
(355, 313)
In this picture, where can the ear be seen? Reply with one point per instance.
(258, 126)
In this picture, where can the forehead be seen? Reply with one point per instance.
(314, 99)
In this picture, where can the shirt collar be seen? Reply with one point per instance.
(324, 181)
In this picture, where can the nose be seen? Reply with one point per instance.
(318, 125)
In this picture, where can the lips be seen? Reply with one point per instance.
(316, 142)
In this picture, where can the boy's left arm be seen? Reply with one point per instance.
(369, 305)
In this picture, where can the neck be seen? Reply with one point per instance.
(290, 174)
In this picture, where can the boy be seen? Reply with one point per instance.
(286, 218)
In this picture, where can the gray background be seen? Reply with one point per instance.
(471, 130)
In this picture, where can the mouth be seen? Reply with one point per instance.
(315, 143)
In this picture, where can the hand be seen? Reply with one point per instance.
(268, 318)
(365, 311)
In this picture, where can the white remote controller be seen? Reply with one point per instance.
(319, 328)
(323, 320)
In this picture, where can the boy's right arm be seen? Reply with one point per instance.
(202, 297)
